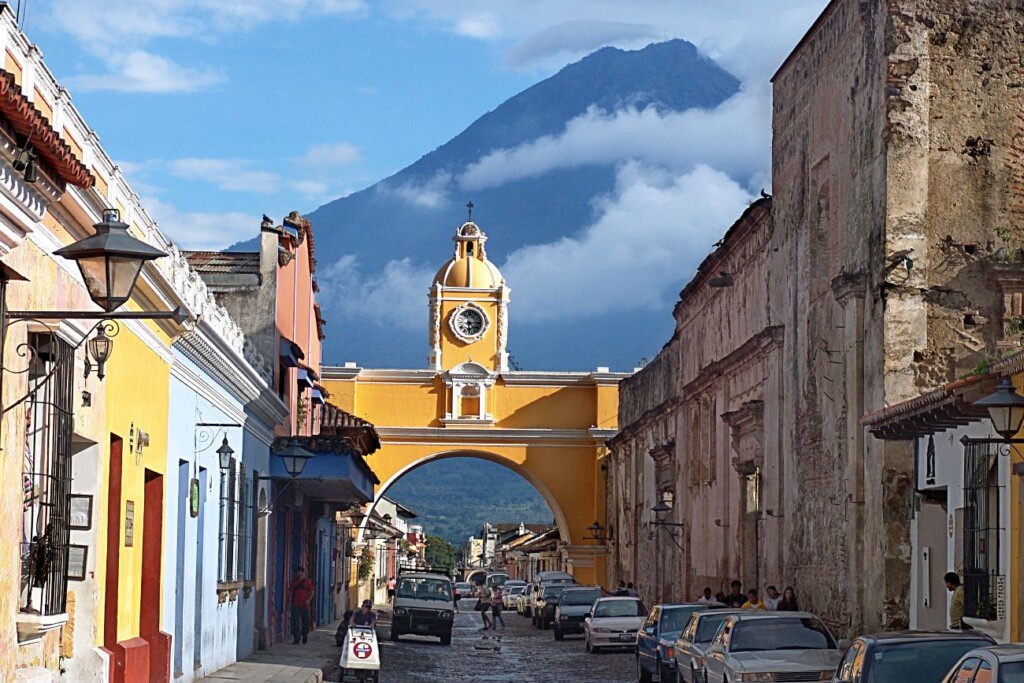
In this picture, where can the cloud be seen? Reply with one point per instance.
(431, 194)
(231, 175)
(332, 154)
(656, 229)
(141, 71)
(202, 230)
(388, 299)
(481, 26)
(577, 38)
(734, 137)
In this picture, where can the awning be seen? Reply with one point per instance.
(336, 472)
(317, 397)
(290, 353)
(304, 379)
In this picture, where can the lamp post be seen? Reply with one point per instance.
(1005, 410)
(597, 532)
(224, 454)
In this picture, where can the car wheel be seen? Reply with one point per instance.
(664, 673)
(446, 639)
(642, 674)
(558, 634)
(394, 634)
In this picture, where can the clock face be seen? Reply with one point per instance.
(470, 323)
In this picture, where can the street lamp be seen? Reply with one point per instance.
(224, 453)
(294, 458)
(1005, 409)
(110, 260)
(661, 510)
(597, 532)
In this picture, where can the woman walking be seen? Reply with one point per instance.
(496, 607)
(484, 605)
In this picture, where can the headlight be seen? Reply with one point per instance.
(400, 611)
(564, 617)
(827, 675)
(761, 676)
(446, 615)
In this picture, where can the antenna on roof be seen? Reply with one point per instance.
(470, 207)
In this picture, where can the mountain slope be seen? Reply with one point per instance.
(454, 497)
(412, 214)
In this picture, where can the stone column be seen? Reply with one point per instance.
(747, 432)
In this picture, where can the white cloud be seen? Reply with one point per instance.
(734, 137)
(202, 230)
(577, 38)
(231, 175)
(656, 228)
(480, 26)
(141, 71)
(388, 299)
(431, 194)
(332, 154)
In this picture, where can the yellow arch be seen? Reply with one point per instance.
(561, 522)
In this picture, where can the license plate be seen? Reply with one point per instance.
(626, 636)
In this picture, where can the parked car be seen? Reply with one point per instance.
(423, 606)
(920, 656)
(693, 641)
(774, 646)
(656, 640)
(546, 579)
(496, 579)
(613, 622)
(524, 604)
(544, 612)
(510, 595)
(1002, 663)
(463, 589)
(572, 607)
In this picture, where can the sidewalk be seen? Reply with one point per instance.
(313, 662)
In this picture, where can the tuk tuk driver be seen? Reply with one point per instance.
(365, 616)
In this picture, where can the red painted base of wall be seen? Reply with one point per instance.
(159, 657)
(129, 661)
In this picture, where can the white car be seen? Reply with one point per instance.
(771, 646)
(693, 641)
(613, 622)
(510, 595)
(1003, 663)
(524, 601)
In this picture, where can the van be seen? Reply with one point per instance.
(496, 579)
(423, 606)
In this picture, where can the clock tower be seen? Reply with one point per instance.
(469, 308)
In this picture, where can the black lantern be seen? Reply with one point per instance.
(595, 529)
(110, 260)
(224, 453)
(99, 348)
(1005, 409)
(661, 509)
(295, 458)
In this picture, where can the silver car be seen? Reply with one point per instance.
(1003, 663)
(771, 646)
(509, 596)
(694, 641)
(613, 622)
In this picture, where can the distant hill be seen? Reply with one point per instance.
(454, 497)
(381, 223)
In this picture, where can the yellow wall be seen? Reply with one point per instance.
(137, 392)
(485, 349)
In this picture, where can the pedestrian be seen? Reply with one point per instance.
(620, 590)
(300, 595)
(391, 589)
(956, 604)
(484, 606)
(496, 608)
(631, 591)
(754, 601)
(365, 616)
(773, 599)
(706, 598)
(736, 598)
(720, 598)
(788, 602)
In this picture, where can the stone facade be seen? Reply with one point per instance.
(885, 263)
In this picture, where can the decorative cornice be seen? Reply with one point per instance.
(463, 435)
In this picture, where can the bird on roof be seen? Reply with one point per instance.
(765, 195)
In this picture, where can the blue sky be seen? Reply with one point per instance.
(222, 110)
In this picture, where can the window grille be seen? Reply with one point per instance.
(981, 529)
(229, 514)
(49, 424)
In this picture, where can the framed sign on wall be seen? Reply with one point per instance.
(129, 523)
(78, 556)
(81, 511)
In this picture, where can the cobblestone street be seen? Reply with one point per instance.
(525, 655)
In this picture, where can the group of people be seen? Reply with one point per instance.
(784, 602)
(490, 605)
(625, 590)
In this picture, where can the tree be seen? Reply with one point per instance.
(439, 553)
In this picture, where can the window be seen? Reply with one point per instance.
(781, 634)
(981, 530)
(46, 475)
(965, 671)
(233, 526)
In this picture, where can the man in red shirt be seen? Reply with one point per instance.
(300, 594)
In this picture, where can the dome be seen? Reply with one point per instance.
(469, 271)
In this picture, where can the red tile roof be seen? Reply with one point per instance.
(30, 123)
(243, 262)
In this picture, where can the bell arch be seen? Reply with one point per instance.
(561, 521)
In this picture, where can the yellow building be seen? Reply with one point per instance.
(550, 427)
